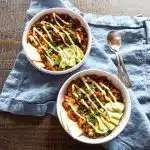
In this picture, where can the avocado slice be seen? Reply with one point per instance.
(57, 60)
(101, 125)
(79, 53)
(109, 125)
(115, 115)
(62, 64)
(118, 106)
(115, 107)
(70, 56)
(114, 121)
(72, 60)
(98, 130)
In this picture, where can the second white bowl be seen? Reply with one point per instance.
(116, 82)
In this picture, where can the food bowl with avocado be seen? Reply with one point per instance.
(57, 41)
(93, 106)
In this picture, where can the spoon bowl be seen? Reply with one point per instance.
(114, 40)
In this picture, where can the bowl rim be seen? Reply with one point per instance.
(125, 119)
(50, 10)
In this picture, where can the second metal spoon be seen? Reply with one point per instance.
(114, 42)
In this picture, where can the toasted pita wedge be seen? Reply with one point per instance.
(70, 126)
(32, 53)
(63, 116)
(34, 56)
(74, 130)
(39, 64)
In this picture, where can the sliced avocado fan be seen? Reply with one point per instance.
(69, 57)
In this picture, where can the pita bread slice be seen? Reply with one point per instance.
(70, 126)
(64, 118)
(32, 53)
(39, 64)
(34, 56)
(74, 129)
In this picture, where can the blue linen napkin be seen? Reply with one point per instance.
(28, 91)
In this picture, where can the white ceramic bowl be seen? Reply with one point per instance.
(71, 14)
(116, 82)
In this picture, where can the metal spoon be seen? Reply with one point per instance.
(109, 40)
(114, 42)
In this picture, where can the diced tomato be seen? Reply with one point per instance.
(69, 89)
(50, 16)
(69, 94)
(76, 100)
(67, 97)
(72, 115)
(115, 90)
(72, 100)
(66, 105)
(48, 65)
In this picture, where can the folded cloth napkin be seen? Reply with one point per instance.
(28, 91)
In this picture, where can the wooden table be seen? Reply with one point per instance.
(42, 133)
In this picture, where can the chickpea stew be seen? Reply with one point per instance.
(94, 104)
(60, 41)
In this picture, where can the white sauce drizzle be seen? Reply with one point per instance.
(54, 15)
(74, 110)
(63, 55)
(37, 31)
(69, 37)
(79, 39)
(100, 89)
(93, 104)
(33, 39)
(44, 27)
(92, 92)
(39, 42)
(84, 118)
(110, 93)
(63, 21)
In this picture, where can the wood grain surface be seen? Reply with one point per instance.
(32, 133)
(114, 7)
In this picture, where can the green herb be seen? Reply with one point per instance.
(107, 133)
(43, 57)
(54, 44)
(74, 26)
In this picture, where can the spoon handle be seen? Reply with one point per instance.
(127, 79)
(119, 67)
